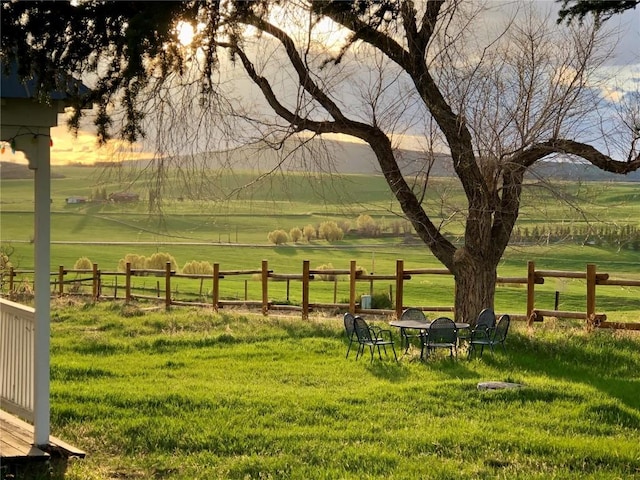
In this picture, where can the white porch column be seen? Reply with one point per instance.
(39, 161)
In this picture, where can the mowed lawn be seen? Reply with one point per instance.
(190, 394)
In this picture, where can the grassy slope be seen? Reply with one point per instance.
(192, 395)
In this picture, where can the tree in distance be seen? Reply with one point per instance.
(497, 87)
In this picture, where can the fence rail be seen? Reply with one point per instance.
(165, 295)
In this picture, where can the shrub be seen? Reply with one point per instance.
(381, 300)
(138, 262)
(326, 277)
(158, 261)
(309, 232)
(295, 234)
(198, 268)
(345, 225)
(367, 226)
(330, 231)
(83, 263)
(278, 237)
(5, 264)
(364, 270)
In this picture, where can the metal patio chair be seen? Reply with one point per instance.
(372, 337)
(492, 337)
(442, 333)
(412, 314)
(350, 330)
(485, 323)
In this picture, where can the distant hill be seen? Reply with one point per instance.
(327, 156)
(346, 157)
(331, 156)
(19, 171)
(579, 172)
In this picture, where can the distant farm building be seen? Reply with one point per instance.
(124, 197)
(71, 200)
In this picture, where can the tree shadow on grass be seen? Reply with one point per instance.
(608, 364)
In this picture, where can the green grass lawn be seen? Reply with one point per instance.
(189, 394)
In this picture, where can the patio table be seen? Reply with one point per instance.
(404, 325)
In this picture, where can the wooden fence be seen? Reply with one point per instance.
(355, 304)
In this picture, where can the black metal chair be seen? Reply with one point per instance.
(485, 323)
(349, 327)
(491, 337)
(486, 318)
(442, 333)
(411, 314)
(369, 336)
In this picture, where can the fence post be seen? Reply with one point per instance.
(216, 285)
(591, 292)
(531, 282)
(167, 285)
(305, 289)
(265, 287)
(352, 287)
(127, 283)
(399, 287)
(61, 280)
(96, 280)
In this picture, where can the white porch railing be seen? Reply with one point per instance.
(17, 336)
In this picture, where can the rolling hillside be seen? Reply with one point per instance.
(330, 156)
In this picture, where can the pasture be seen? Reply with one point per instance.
(189, 394)
(231, 230)
(193, 394)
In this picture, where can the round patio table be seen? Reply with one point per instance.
(403, 325)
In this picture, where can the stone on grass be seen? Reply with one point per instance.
(498, 385)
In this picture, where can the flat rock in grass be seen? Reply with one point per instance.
(498, 385)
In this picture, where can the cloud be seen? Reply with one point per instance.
(616, 81)
(83, 148)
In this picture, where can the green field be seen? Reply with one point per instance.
(232, 230)
(191, 395)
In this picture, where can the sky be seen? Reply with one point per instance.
(620, 73)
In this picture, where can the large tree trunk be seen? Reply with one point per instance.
(475, 279)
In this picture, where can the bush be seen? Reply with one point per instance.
(198, 268)
(83, 263)
(345, 225)
(278, 237)
(309, 232)
(158, 261)
(381, 300)
(5, 264)
(295, 234)
(137, 262)
(363, 270)
(367, 226)
(330, 231)
(326, 277)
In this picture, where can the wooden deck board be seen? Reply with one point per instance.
(16, 442)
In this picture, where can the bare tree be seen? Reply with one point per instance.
(497, 97)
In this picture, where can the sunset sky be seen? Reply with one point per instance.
(621, 73)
